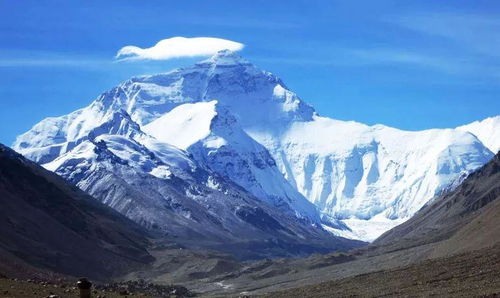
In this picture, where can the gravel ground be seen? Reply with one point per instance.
(31, 289)
(474, 274)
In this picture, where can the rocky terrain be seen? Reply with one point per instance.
(14, 287)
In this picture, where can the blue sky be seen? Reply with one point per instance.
(407, 64)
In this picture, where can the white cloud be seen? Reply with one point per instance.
(177, 47)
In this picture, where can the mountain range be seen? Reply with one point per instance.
(223, 149)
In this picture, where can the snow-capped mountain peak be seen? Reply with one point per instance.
(213, 135)
(225, 58)
(244, 124)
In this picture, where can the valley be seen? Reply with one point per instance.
(169, 178)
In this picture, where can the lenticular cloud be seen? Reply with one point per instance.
(177, 47)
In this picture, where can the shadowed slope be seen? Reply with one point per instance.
(48, 225)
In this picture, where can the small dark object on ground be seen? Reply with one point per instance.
(84, 286)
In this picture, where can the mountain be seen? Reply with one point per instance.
(487, 130)
(214, 137)
(373, 178)
(108, 115)
(245, 125)
(165, 190)
(48, 226)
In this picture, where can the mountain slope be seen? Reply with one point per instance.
(218, 141)
(162, 188)
(449, 248)
(109, 114)
(49, 225)
(374, 177)
(362, 179)
(487, 130)
(461, 220)
(471, 274)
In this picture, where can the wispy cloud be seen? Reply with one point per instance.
(234, 22)
(404, 57)
(455, 44)
(50, 62)
(478, 33)
(359, 57)
(40, 58)
(471, 69)
(177, 47)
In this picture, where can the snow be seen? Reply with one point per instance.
(184, 125)
(367, 177)
(214, 137)
(224, 57)
(82, 152)
(366, 230)
(487, 130)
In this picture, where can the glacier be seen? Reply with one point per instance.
(244, 124)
